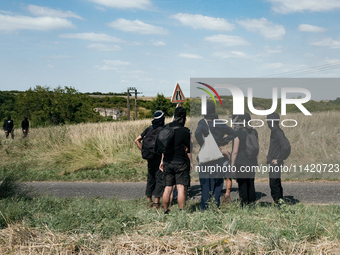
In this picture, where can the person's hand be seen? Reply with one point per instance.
(161, 166)
(186, 149)
(274, 161)
(191, 167)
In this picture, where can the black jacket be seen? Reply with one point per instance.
(8, 125)
(242, 158)
(279, 147)
(182, 139)
(25, 125)
(218, 132)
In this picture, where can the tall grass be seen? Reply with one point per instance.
(315, 140)
(71, 148)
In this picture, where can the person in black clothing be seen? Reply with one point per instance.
(212, 184)
(239, 159)
(279, 149)
(154, 184)
(25, 126)
(8, 127)
(176, 165)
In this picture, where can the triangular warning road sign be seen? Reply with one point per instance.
(177, 96)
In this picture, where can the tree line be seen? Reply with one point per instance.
(45, 106)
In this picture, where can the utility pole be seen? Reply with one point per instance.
(128, 102)
(136, 115)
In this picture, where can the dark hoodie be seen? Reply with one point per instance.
(182, 139)
(279, 147)
(218, 132)
(25, 124)
(8, 124)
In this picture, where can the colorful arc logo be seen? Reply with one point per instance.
(208, 92)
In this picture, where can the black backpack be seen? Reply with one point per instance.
(165, 139)
(252, 144)
(149, 143)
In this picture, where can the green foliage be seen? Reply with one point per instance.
(160, 102)
(45, 106)
(7, 104)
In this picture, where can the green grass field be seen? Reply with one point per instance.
(117, 227)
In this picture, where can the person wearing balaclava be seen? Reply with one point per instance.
(25, 126)
(212, 182)
(8, 127)
(154, 185)
(279, 150)
(176, 163)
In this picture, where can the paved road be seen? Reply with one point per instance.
(318, 193)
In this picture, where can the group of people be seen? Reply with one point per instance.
(8, 127)
(171, 169)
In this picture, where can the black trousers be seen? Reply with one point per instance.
(246, 186)
(154, 185)
(246, 190)
(10, 132)
(275, 183)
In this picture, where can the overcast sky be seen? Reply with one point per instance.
(109, 45)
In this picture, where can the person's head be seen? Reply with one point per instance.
(211, 111)
(158, 119)
(9, 117)
(240, 120)
(210, 107)
(273, 119)
(25, 117)
(180, 115)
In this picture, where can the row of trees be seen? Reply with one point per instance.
(45, 106)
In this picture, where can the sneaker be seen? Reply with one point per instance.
(226, 199)
(167, 211)
(150, 204)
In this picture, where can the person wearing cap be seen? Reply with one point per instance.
(176, 165)
(25, 126)
(154, 184)
(240, 159)
(8, 127)
(279, 149)
(212, 183)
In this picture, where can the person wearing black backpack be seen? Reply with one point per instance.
(244, 158)
(154, 184)
(175, 143)
(279, 150)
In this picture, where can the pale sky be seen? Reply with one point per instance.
(109, 45)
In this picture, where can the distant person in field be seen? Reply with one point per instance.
(212, 183)
(244, 158)
(8, 127)
(176, 163)
(25, 126)
(154, 184)
(279, 150)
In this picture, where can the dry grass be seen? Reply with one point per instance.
(316, 139)
(20, 239)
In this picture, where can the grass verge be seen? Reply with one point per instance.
(110, 226)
